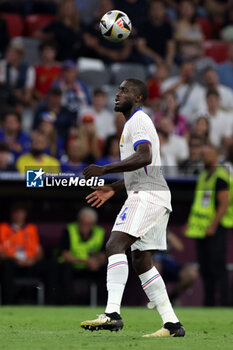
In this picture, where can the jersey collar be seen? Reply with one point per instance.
(139, 109)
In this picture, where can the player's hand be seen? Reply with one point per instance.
(93, 170)
(100, 196)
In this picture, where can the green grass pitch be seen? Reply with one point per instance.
(45, 328)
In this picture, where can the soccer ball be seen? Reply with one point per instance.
(115, 26)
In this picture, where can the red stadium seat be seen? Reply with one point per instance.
(15, 24)
(36, 22)
(206, 27)
(216, 49)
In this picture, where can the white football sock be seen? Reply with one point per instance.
(117, 275)
(155, 289)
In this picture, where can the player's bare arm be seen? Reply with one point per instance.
(139, 159)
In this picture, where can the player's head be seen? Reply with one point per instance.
(132, 92)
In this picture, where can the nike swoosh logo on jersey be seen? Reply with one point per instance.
(119, 223)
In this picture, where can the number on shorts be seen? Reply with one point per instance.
(123, 214)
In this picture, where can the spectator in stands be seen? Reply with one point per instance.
(136, 10)
(104, 119)
(172, 7)
(193, 165)
(201, 127)
(25, 7)
(42, 6)
(47, 127)
(161, 49)
(183, 275)
(82, 250)
(211, 80)
(48, 70)
(119, 124)
(4, 38)
(221, 123)
(154, 86)
(75, 94)
(227, 30)
(111, 152)
(20, 251)
(88, 135)
(17, 74)
(203, 62)
(65, 30)
(76, 152)
(98, 47)
(188, 34)
(87, 9)
(169, 109)
(37, 158)
(12, 133)
(173, 148)
(5, 155)
(225, 69)
(65, 119)
(187, 90)
(206, 224)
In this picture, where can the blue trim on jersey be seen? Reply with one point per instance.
(139, 109)
(140, 141)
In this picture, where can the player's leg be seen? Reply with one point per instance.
(155, 289)
(117, 275)
(117, 271)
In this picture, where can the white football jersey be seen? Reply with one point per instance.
(149, 180)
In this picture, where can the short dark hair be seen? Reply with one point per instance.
(99, 92)
(151, 2)
(141, 86)
(18, 205)
(209, 69)
(11, 112)
(55, 90)
(4, 147)
(48, 43)
(212, 92)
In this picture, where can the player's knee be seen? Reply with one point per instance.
(142, 261)
(135, 263)
(138, 265)
(113, 248)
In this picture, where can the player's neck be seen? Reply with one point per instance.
(128, 114)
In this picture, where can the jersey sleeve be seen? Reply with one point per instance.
(139, 132)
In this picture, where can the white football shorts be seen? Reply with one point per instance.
(144, 220)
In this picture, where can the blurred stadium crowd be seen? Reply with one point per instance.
(58, 78)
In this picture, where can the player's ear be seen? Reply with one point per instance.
(138, 98)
